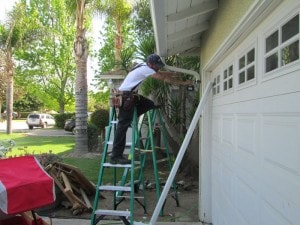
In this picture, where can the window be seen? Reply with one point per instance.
(247, 67)
(228, 78)
(282, 46)
(216, 87)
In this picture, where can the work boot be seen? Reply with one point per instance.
(119, 160)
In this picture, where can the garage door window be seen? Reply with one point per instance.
(216, 87)
(228, 78)
(282, 46)
(247, 67)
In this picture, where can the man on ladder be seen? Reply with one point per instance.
(129, 98)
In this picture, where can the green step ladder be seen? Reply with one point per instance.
(99, 213)
(139, 148)
(153, 121)
(147, 125)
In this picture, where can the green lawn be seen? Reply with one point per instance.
(60, 146)
(26, 144)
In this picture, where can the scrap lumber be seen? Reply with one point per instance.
(86, 199)
(76, 177)
(74, 185)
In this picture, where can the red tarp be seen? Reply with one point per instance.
(24, 185)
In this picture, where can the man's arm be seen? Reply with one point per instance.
(171, 78)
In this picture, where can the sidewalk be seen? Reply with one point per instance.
(87, 222)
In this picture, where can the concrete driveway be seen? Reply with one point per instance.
(20, 126)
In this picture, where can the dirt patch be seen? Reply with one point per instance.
(186, 211)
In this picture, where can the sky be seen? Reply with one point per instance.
(6, 6)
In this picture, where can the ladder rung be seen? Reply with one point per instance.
(162, 160)
(114, 188)
(117, 165)
(107, 212)
(114, 121)
(145, 150)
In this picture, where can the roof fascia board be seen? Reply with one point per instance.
(158, 21)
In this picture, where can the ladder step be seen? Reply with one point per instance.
(106, 212)
(117, 165)
(127, 196)
(114, 121)
(114, 188)
(128, 144)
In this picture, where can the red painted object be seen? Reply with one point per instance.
(24, 185)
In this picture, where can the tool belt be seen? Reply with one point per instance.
(122, 99)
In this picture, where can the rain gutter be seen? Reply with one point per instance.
(181, 70)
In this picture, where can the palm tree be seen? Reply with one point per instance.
(82, 10)
(11, 37)
(119, 10)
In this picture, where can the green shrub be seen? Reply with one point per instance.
(61, 118)
(92, 137)
(100, 118)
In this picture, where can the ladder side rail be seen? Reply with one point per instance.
(151, 118)
(112, 115)
(146, 143)
(135, 139)
(180, 155)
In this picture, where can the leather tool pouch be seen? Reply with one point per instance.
(128, 101)
(115, 99)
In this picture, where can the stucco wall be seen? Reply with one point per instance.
(222, 23)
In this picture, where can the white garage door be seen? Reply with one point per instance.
(255, 137)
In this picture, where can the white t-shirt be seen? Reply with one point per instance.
(136, 77)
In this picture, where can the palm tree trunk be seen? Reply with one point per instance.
(81, 53)
(10, 92)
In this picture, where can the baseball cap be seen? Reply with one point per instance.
(155, 60)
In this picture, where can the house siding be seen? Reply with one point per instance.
(223, 22)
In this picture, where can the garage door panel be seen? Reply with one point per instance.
(228, 125)
(246, 134)
(282, 207)
(248, 196)
(281, 141)
(271, 217)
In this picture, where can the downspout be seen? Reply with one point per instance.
(181, 70)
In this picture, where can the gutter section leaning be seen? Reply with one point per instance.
(180, 154)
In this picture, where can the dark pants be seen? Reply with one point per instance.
(125, 118)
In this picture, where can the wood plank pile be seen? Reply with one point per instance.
(74, 185)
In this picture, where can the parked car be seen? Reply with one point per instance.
(40, 120)
(14, 115)
(70, 125)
